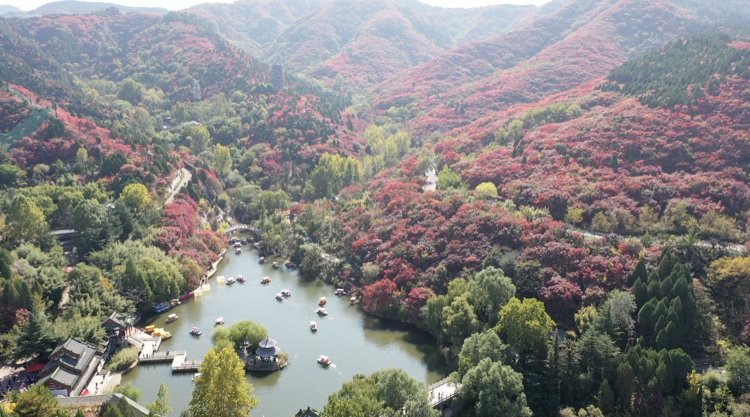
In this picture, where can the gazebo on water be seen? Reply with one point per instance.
(268, 357)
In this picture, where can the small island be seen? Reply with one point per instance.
(268, 357)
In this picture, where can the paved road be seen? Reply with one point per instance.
(181, 180)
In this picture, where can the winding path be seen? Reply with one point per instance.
(180, 181)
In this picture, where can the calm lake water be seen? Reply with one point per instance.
(356, 343)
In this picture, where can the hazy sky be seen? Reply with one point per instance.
(181, 4)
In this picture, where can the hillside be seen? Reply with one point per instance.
(76, 7)
(577, 42)
(362, 41)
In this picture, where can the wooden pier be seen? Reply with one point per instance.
(163, 357)
(177, 358)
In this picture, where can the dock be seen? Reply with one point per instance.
(177, 359)
(163, 357)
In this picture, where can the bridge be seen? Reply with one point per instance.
(442, 392)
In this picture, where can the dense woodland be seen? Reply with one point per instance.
(582, 251)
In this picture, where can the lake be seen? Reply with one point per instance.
(355, 342)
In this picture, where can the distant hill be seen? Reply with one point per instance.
(363, 41)
(6, 9)
(76, 7)
(464, 91)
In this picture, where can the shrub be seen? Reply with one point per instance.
(123, 359)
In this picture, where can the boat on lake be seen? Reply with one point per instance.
(159, 332)
(231, 280)
(279, 296)
(219, 321)
(275, 265)
(194, 331)
(262, 260)
(149, 329)
(322, 311)
(238, 251)
(240, 279)
(186, 296)
(286, 293)
(265, 280)
(313, 326)
(322, 301)
(172, 317)
(289, 264)
(324, 360)
(339, 292)
(353, 299)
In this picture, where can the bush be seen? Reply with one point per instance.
(123, 359)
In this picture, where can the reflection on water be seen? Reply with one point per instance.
(356, 343)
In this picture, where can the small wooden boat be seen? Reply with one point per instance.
(262, 260)
(339, 292)
(322, 301)
(231, 280)
(289, 264)
(149, 329)
(186, 296)
(238, 251)
(353, 299)
(240, 279)
(265, 280)
(286, 293)
(314, 326)
(194, 331)
(279, 296)
(219, 321)
(322, 311)
(237, 244)
(324, 360)
(275, 265)
(172, 317)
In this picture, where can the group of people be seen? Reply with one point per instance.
(16, 381)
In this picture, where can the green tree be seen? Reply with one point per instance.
(92, 224)
(38, 336)
(36, 401)
(447, 178)
(136, 197)
(10, 175)
(738, 366)
(131, 90)
(161, 406)
(222, 160)
(489, 290)
(222, 390)
(129, 391)
(247, 332)
(492, 389)
(459, 321)
(197, 137)
(389, 392)
(480, 346)
(486, 189)
(525, 326)
(24, 221)
(333, 173)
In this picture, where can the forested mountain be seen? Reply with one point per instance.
(575, 43)
(75, 7)
(559, 195)
(362, 41)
